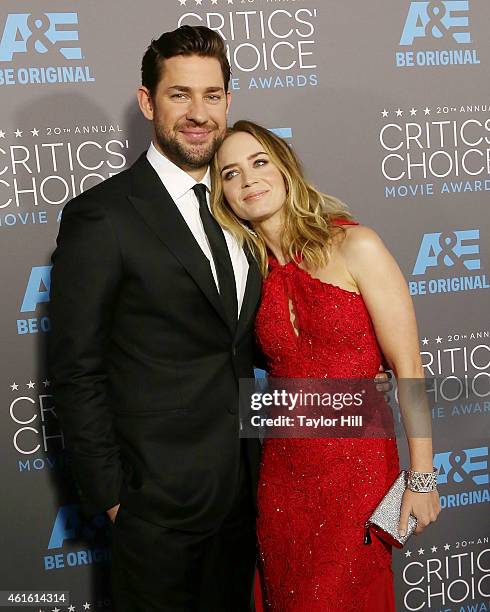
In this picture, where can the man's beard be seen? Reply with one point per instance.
(190, 156)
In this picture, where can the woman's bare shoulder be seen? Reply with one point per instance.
(355, 239)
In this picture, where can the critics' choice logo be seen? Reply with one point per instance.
(36, 434)
(267, 49)
(36, 293)
(452, 254)
(67, 532)
(423, 158)
(467, 469)
(440, 24)
(46, 38)
(41, 174)
(444, 577)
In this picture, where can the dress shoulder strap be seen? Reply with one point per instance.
(341, 221)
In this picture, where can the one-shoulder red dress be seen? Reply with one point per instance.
(315, 495)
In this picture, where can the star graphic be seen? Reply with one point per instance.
(433, 549)
(413, 112)
(2, 134)
(408, 553)
(198, 2)
(421, 551)
(18, 133)
(14, 387)
(399, 112)
(46, 383)
(86, 606)
(55, 610)
(384, 112)
(447, 546)
(71, 608)
(214, 1)
(35, 132)
(425, 341)
(182, 2)
(31, 385)
(427, 110)
(230, 1)
(438, 339)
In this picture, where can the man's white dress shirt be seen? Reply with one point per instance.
(179, 185)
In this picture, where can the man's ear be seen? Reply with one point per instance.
(228, 102)
(145, 102)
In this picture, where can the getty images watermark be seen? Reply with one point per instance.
(311, 408)
(349, 408)
(306, 401)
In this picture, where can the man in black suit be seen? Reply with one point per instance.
(152, 308)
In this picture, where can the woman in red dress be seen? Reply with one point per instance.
(333, 301)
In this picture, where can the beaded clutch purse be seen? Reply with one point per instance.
(385, 518)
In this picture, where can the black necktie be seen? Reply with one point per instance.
(221, 255)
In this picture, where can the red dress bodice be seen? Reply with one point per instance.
(335, 337)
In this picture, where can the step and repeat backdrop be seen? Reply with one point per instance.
(388, 105)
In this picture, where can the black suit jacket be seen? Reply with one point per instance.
(144, 364)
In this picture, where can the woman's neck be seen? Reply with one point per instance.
(271, 231)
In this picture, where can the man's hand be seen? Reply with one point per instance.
(382, 380)
(112, 512)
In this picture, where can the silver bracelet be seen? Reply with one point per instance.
(422, 482)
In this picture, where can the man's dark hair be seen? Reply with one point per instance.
(186, 40)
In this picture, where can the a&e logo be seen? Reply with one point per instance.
(466, 467)
(453, 252)
(43, 40)
(69, 527)
(37, 292)
(470, 464)
(441, 20)
(40, 33)
(450, 249)
(438, 23)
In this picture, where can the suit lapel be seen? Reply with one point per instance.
(251, 296)
(153, 202)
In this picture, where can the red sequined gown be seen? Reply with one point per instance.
(315, 495)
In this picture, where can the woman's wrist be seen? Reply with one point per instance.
(421, 467)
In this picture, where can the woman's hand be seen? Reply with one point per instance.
(425, 507)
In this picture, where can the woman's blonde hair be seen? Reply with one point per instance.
(308, 213)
